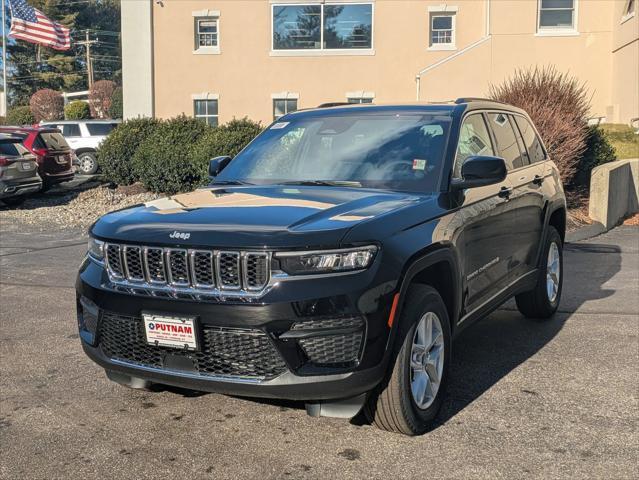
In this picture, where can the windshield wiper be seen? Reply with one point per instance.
(325, 183)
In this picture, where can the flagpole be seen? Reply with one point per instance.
(4, 64)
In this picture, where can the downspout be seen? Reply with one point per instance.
(487, 35)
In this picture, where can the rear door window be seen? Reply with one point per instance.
(535, 149)
(506, 141)
(70, 130)
(100, 129)
(53, 141)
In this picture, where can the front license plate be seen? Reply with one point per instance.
(176, 332)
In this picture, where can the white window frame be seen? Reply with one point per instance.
(205, 15)
(283, 96)
(559, 31)
(627, 12)
(322, 51)
(360, 95)
(206, 96)
(442, 11)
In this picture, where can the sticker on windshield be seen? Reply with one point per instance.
(419, 164)
(278, 125)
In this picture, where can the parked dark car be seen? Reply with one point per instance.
(332, 261)
(52, 152)
(18, 171)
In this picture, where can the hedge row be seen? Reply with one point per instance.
(170, 156)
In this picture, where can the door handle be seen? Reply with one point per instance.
(538, 180)
(505, 192)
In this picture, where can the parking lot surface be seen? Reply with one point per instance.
(548, 400)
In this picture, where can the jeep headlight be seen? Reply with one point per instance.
(329, 261)
(95, 249)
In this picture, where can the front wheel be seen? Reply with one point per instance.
(410, 399)
(88, 163)
(542, 302)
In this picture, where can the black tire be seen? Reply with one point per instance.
(537, 303)
(14, 201)
(88, 163)
(391, 407)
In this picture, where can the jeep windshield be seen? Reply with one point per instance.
(392, 151)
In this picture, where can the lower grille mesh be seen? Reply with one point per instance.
(223, 352)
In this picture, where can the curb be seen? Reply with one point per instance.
(584, 233)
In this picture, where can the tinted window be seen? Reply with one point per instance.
(474, 139)
(54, 141)
(531, 140)
(400, 152)
(506, 140)
(100, 128)
(70, 130)
(9, 149)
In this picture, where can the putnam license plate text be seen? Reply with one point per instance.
(170, 331)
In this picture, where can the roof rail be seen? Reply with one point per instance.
(333, 104)
(477, 99)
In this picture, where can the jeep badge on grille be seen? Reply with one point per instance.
(180, 235)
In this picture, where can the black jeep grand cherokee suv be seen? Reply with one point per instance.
(332, 261)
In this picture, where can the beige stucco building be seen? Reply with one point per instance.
(219, 59)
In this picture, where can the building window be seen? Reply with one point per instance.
(442, 30)
(360, 97)
(207, 111)
(320, 27)
(557, 15)
(206, 30)
(284, 103)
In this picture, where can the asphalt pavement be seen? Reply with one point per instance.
(556, 399)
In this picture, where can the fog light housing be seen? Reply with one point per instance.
(88, 315)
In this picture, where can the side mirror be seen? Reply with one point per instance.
(217, 164)
(480, 171)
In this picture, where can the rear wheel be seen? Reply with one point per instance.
(88, 163)
(543, 300)
(410, 399)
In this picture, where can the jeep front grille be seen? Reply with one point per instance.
(207, 271)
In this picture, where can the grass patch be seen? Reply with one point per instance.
(623, 139)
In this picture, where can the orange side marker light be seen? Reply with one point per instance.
(391, 317)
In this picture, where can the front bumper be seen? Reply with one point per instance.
(345, 333)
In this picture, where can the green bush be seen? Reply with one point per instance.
(228, 139)
(115, 154)
(77, 110)
(20, 116)
(116, 107)
(598, 151)
(164, 161)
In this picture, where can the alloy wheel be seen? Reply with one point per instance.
(553, 272)
(427, 360)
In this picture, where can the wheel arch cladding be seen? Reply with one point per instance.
(558, 220)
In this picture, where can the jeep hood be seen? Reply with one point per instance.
(253, 216)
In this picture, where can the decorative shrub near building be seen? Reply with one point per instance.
(115, 154)
(598, 151)
(47, 104)
(558, 105)
(116, 107)
(20, 116)
(77, 110)
(100, 95)
(164, 161)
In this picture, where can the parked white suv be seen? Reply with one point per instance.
(84, 136)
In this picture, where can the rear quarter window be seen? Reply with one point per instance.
(53, 141)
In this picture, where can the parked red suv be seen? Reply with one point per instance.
(52, 152)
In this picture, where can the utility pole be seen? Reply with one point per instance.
(87, 44)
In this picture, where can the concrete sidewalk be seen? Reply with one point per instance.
(528, 400)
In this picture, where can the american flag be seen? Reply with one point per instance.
(31, 25)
